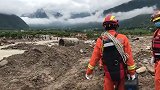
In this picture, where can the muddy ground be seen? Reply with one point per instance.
(63, 68)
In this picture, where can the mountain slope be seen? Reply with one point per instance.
(134, 4)
(140, 21)
(12, 22)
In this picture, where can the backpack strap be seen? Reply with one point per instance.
(155, 34)
(101, 37)
(116, 34)
(119, 47)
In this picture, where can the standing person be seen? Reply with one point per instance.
(156, 48)
(114, 63)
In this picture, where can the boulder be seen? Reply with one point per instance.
(3, 62)
(141, 70)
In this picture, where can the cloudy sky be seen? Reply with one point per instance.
(66, 7)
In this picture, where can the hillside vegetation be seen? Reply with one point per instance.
(12, 22)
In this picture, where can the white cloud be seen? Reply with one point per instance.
(66, 7)
(37, 20)
(93, 18)
(19, 7)
(133, 13)
(65, 19)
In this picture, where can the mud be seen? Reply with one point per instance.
(63, 68)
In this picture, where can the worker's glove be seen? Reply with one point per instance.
(88, 76)
(152, 60)
(131, 77)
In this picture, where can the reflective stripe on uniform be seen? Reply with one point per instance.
(131, 67)
(102, 48)
(157, 53)
(108, 44)
(90, 66)
(156, 19)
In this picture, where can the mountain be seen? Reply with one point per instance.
(134, 4)
(12, 22)
(80, 15)
(57, 14)
(40, 13)
(140, 21)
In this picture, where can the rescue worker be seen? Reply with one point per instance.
(156, 48)
(114, 68)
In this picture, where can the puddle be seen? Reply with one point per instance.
(7, 53)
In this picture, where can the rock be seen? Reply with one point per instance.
(141, 70)
(81, 51)
(36, 50)
(135, 39)
(145, 61)
(14, 80)
(148, 47)
(150, 69)
(3, 62)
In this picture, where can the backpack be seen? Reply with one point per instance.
(111, 58)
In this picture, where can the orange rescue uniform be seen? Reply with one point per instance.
(97, 55)
(157, 75)
(157, 71)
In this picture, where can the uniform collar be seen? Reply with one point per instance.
(111, 31)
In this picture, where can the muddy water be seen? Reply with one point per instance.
(7, 53)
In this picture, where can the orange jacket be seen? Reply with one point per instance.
(97, 53)
(157, 68)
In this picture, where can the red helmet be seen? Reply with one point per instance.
(110, 21)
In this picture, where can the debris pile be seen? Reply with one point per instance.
(42, 67)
